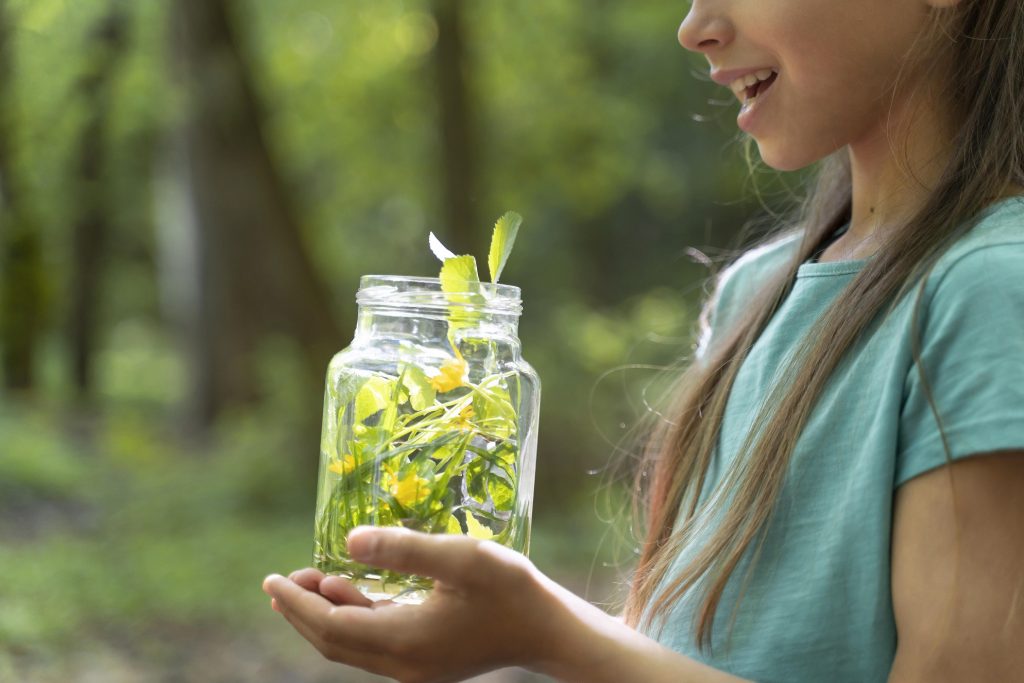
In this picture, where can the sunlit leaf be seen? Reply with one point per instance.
(461, 282)
(501, 492)
(459, 275)
(502, 239)
(476, 476)
(421, 392)
(476, 529)
(373, 396)
(495, 414)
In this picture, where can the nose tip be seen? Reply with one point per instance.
(701, 33)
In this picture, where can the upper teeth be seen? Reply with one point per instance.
(740, 85)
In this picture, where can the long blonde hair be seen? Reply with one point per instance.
(982, 42)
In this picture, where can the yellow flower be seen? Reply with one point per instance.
(345, 466)
(462, 420)
(410, 490)
(452, 374)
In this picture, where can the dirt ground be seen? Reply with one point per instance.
(210, 659)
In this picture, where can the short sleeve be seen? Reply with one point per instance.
(737, 283)
(706, 329)
(972, 351)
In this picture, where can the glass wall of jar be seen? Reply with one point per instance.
(430, 423)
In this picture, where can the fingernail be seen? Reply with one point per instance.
(362, 543)
(267, 581)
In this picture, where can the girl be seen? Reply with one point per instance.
(839, 493)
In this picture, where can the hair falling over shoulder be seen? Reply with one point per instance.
(983, 41)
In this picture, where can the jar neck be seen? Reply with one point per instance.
(380, 324)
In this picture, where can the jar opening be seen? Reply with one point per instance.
(400, 290)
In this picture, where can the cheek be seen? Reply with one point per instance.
(811, 116)
(840, 50)
(837, 65)
(840, 98)
(849, 54)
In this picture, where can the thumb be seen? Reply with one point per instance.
(450, 558)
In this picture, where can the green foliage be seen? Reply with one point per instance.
(405, 462)
(502, 239)
(373, 396)
(416, 385)
(90, 542)
(459, 275)
(36, 463)
(586, 118)
(461, 283)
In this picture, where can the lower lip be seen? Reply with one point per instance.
(749, 116)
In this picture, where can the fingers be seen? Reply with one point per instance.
(342, 592)
(334, 650)
(325, 623)
(336, 589)
(306, 630)
(308, 578)
(450, 558)
(291, 598)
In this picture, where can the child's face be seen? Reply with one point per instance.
(836, 62)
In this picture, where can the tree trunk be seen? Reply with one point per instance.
(21, 265)
(255, 277)
(90, 233)
(458, 134)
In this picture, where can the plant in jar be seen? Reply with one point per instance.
(424, 442)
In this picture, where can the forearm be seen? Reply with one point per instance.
(595, 647)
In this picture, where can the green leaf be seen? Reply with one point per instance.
(494, 413)
(502, 239)
(421, 391)
(374, 395)
(476, 480)
(502, 493)
(459, 275)
(452, 451)
(476, 529)
(461, 282)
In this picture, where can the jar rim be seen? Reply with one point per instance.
(426, 291)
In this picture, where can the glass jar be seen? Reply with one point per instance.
(430, 423)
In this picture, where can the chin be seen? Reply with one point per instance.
(784, 160)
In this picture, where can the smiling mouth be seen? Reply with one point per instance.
(753, 91)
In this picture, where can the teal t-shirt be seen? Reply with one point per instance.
(818, 605)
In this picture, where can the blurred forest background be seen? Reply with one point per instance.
(189, 192)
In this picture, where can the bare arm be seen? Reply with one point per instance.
(600, 648)
(958, 572)
(490, 608)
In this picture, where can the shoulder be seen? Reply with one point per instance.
(740, 279)
(988, 259)
(744, 275)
